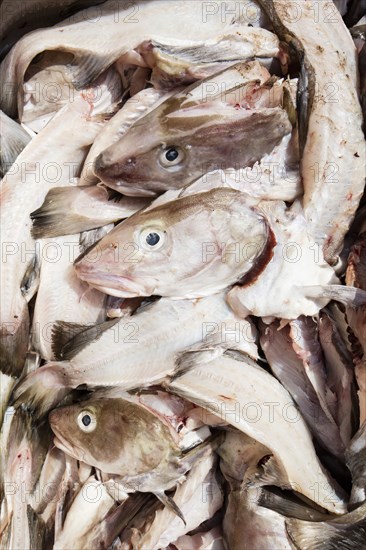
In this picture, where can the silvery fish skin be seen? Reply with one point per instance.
(178, 23)
(48, 159)
(221, 233)
(246, 524)
(295, 453)
(13, 140)
(67, 299)
(75, 209)
(136, 107)
(99, 363)
(204, 540)
(225, 121)
(332, 166)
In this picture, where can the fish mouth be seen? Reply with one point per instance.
(114, 285)
(129, 190)
(62, 444)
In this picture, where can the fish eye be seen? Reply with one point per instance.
(87, 421)
(152, 238)
(171, 156)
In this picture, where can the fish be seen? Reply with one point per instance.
(75, 209)
(92, 355)
(156, 460)
(346, 532)
(237, 390)
(134, 108)
(91, 504)
(135, 23)
(294, 366)
(355, 459)
(13, 140)
(203, 540)
(246, 524)
(225, 121)
(19, 19)
(199, 498)
(297, 259)
(49, 159)
(222, 232)
(76, 305)
(332, 166)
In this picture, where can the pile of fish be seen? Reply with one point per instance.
(183, 275)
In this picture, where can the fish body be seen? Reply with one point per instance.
(117, 356)
(216, 385)
(333, 157)
(76, 305)
(122, 27)
(13, 140)
(52, 157)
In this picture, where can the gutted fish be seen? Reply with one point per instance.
(333, 156)
(135, 351)
(13, 140)
(238, 391)
(125, 27)
(52, 158)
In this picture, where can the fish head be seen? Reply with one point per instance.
(177, 143)
(113, 435)
(186, 248)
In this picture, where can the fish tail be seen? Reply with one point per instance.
(42, 389)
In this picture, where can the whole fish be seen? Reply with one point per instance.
(136, 351)
(13, 140)
(251, 400)
(52, 158)
(333, 156)
(123, 27)
(229, 120)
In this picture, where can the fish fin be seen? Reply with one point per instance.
(11, 146)
(170, 504)
(68, 339)
(55, 218)
(346, 532)
(89, 238)
(14, 338)
(42, 389)
(87, 67)
(289, 506)
(31, 277)
(269, 472)
(347, 295)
